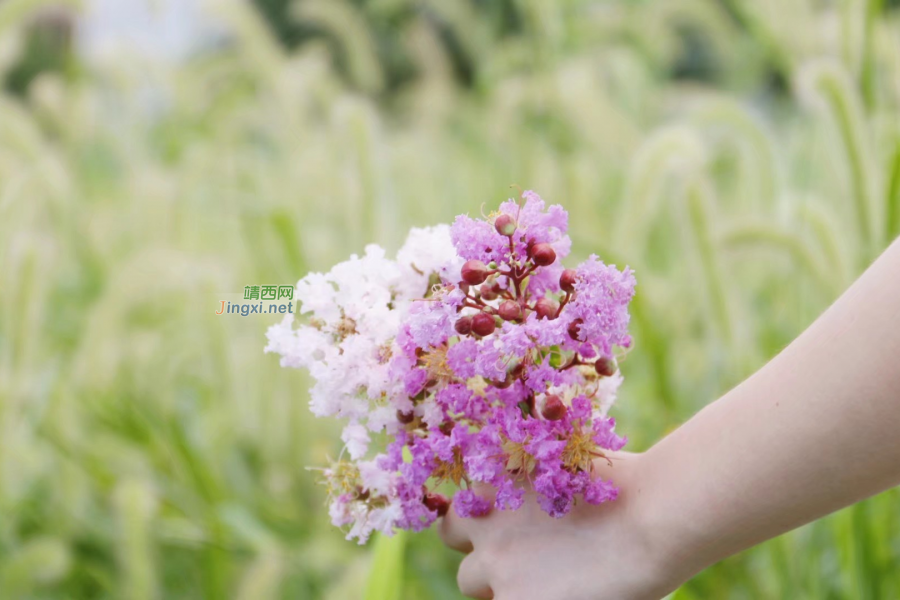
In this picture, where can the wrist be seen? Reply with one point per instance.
(649, 551)
(673, 534)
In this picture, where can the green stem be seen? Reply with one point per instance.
(842, 102)
(386, 574)
(795, 247)
(699, 209)
(868, 76)
(892, 220)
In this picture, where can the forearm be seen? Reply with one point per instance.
(816, 429)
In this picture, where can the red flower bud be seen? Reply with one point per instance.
(517, 371)
(463, 325)
(605, 366)
(405, 417)
(510, 310)
(502, 385)
(437, 503)
(567, 280)
(575, 328)
(488, 292)
(483, 324)
(543, 254)
(474, 272)
(546, 308)
(554, 409)
(505, 225)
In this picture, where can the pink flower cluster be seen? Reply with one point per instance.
(473, 358)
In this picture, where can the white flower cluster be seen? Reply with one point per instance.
(361, 520)
(354, 311)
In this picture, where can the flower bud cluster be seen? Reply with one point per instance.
(501, 373)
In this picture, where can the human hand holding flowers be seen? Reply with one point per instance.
(813, 431)
(475, 361)
(594, 553)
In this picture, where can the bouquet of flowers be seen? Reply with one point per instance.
(473, 357)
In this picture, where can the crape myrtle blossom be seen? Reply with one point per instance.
(474, 360)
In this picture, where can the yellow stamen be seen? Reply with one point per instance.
(345, 328)
(451, 471)
(435, 363)
(477, 385)
(519, 458)
(580, 450)
(342, 478)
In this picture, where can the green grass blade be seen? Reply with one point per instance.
(386, 574)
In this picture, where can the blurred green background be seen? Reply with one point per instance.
(742, 155)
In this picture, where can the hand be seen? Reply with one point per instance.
(765, 458)
(592, 553)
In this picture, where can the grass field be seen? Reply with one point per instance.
(743, 156)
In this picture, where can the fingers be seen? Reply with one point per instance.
(472, 578)
(453, 530)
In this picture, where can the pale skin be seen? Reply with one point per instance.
(815, 430)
